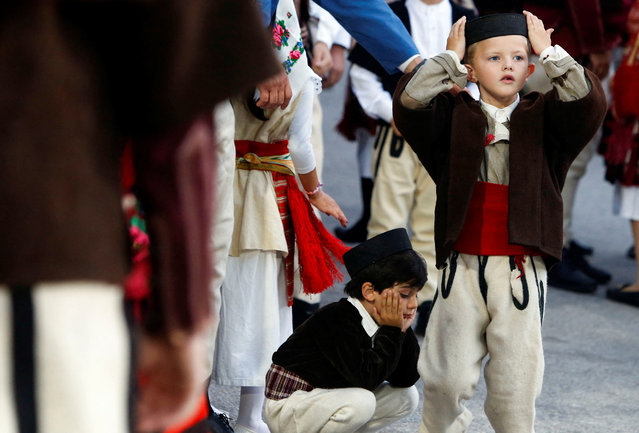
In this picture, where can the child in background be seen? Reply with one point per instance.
(272, 219)
(498, 217)
(352, 366)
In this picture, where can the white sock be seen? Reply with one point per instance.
(250, 412)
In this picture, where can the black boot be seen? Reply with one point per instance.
(584, 250)
(565, 276)
(577, 260)
(302, 310)
(358, 231)
(631, 252)
(423, 314)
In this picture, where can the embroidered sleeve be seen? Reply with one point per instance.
(566, 75)
(436, 76)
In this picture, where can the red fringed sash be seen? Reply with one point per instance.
(315, 244)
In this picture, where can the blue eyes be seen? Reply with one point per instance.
(497, 58)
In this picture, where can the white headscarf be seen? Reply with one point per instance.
(289, 49)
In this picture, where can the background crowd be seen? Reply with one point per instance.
(81, 91)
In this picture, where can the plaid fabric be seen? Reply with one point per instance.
(281, 192)
(281, 383)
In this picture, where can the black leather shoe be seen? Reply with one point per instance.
(584, 250)
(631, 252)
(423, 314)
(355, 234)
(619, 295)
(563, 276)
(578, 261)
(218, 422)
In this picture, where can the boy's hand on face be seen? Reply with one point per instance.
(456, 39)
(390, 311)
(538, 36)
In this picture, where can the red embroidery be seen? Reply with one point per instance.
(489, 139)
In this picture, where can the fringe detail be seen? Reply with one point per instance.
(314, 243)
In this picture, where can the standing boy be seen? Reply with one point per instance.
(352, 366)
(403, 192)
(498, 218)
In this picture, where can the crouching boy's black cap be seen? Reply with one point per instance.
(491, 26)
(375, 249)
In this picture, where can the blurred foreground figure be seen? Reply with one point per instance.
(79, 77)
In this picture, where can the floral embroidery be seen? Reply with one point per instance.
(489, 139)
(280, 34)
(288, 15)
(293, 57)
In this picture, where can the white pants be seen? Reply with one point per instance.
(80, 357)
(403, 191)
(483, 307)
(341, 410)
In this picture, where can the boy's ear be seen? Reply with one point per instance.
(531, 69)
(471, 73)
(368, 291)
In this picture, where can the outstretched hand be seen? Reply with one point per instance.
(457, 39)
(325, 203)
(538, 36)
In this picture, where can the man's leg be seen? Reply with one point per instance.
(394, 188)
(8, 410)
(81, 357)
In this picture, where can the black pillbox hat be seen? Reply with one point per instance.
(491, 26)
(375, 249)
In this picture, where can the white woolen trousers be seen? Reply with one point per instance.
(483, 307)
(340, 410)
(81, 358)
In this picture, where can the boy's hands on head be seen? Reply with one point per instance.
(457, 39)
(538, 36)
(390, 310)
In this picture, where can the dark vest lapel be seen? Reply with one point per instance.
(466, 149)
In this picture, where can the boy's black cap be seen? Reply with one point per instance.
(491, 26)
(375, 249)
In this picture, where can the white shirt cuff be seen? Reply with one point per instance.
(552, 53)
(404, 65)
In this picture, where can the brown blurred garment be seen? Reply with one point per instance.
(77, 78)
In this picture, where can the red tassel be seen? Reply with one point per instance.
(520, 259)
(314, 243)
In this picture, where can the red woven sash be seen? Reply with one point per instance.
(485, 231)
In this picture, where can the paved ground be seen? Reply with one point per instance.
(591, 382)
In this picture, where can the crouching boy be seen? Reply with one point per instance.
(499, 165)
(352, 366)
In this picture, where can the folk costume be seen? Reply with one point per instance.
(340, 371)
(272, 219)
(64, 343)
(403, 192)
(498, 223)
